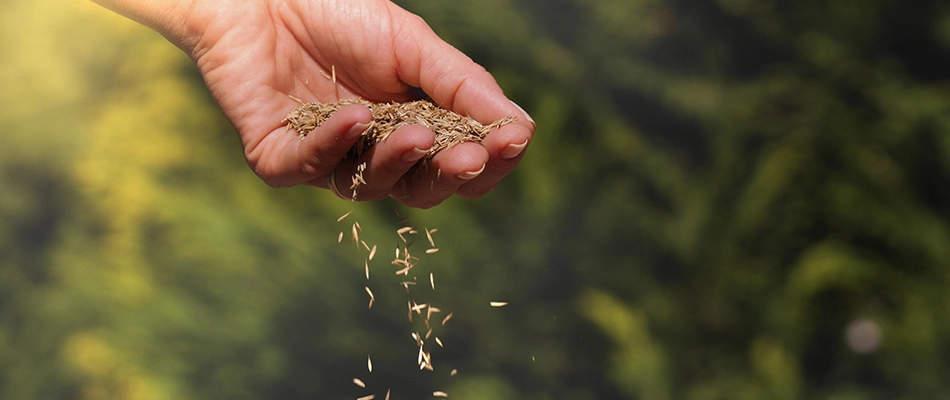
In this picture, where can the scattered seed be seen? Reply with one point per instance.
(447, 318)
(438, 341)
(367, 269)
(339, 239)
(369, 364)
(454, 372)
(498, 303)
(432, 280)
(430, 312)
(440, 394)
(402, 231)
(429, 236)
(356, 236)
(429, 334)
(370, 397)
(342, 217)
(372, 299)
(432, 250)
(387, 394)
(418, 307)
(333, 73)
(372, 252)
(358, 382)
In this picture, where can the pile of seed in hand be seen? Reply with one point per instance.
(450, 128)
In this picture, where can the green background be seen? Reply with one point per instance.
(718, 193)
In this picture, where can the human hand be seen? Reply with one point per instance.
(254, 55)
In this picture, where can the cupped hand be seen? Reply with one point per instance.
(255, 55)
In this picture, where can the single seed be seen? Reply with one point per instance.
(342, 217)
(333, 73)
(367, 269)
(372, 252)
(447, 318)
(429, 334)
(454, 372)
(438, 342)
(339, 239)
(439, 394)
(387, 394)
(429, 236)
(370, 397)
(356, 236)
(498, 303)
(432, 250)
(366, 246)
(432, 280)
(369, 364)
(358, 382)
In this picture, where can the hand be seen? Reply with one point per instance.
(254, 55)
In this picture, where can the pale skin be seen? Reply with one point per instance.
(255, 54)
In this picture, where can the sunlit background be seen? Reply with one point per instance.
(725, 199)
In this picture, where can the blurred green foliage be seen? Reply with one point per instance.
(730, 199)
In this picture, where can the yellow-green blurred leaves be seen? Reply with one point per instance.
(639, 364)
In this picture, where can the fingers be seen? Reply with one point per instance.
(505, 147)
(437, 179)
(384, 164)
(282, 159)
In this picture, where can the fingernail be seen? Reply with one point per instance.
(513, 150)
(356, 130)
(413, 155)
(523, 112)
(471, 174)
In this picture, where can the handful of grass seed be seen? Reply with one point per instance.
(450, 128)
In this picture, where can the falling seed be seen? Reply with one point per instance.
(429, 313)
(418, 307)
(342, 217)
(367, 269)
(432, 250)
(447, 318)
(438, 341)
(429, 236)
(339, 239)
(454, 372)
(387, 394)
(358, 382)
(372, 299)
(356, 236)
(397, 252)
(372, 252)
(402, 231)
(429, 334)
(370, 397)
(532, 359)
(333, 73)
(369, 364)
(439, 393)
(498, 303)
(366, 246)
(432, 280)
